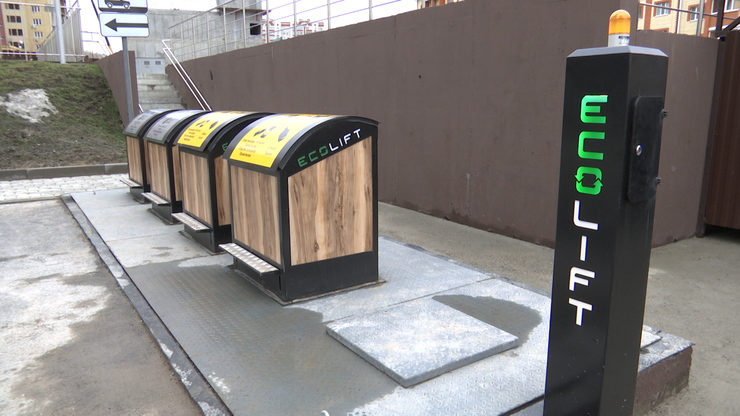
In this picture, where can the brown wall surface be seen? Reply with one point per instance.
(469, 97)
(112, 67)
(690, 85)
(722, 193)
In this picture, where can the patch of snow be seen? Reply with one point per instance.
(165, 349)
(183, 375)
(219, 383)
(29, 104)
(209, 411)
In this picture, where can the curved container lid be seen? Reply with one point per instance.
(201, 131)
(138, 126)
(165, 129)
(270, 143)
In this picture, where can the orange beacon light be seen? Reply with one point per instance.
(619, 28)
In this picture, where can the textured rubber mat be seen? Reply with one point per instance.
(261, 358)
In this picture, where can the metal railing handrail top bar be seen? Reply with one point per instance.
(185, 77)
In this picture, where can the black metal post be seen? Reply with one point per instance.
(720, 18)
(612, 122)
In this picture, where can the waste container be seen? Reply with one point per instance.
(205, 181)
(164, 162)
(138, 176)
(304, 198)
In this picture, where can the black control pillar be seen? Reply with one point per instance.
(612, 122)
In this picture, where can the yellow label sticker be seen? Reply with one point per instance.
(197, 132)
(264, 141)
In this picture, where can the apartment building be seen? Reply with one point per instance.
(26, 24)
(684, 16)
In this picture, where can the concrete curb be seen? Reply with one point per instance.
(63, 171)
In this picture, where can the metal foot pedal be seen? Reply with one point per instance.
(130, 183)
(190, 221)
(260, 266)
(154, 198)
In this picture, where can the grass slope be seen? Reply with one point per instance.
(86, 129)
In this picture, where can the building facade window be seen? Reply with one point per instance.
(37, 22)
(12, 6)
(694, 14)
(730, 5)
(14, 19)
(36, 9)
(661, 9)
(15, 32)
(38, 35)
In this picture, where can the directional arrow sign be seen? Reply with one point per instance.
(128, 25)
(123, 6)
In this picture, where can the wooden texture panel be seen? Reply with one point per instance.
(223, 201)
(133, 153)
(722, 201)
(256, 220)
(196, 189)
(331, 206)
(176, 166)
(160, 177)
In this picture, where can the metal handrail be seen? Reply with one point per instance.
(185, 77)
(210, 32)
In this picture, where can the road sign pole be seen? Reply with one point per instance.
(127, 80)
(612, 120)
(60, 32)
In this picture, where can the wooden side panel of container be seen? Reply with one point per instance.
(133, 153)
(196, 189)
(256, 217)
(160, 177)
(176, 166)
(223, 201)
(331, 206)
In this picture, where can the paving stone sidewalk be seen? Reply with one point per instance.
(34, 189)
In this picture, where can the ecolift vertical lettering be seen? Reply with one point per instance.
(612, 123)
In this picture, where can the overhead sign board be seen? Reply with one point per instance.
(123, 6)
(130, 25)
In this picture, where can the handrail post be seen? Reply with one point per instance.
(244, 22)
(328, 14)
(267, 21)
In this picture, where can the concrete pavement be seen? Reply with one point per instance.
(71, 342)
(77, 347)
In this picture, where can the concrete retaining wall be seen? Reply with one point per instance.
(112, 67)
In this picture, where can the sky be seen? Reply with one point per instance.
(280, 9)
